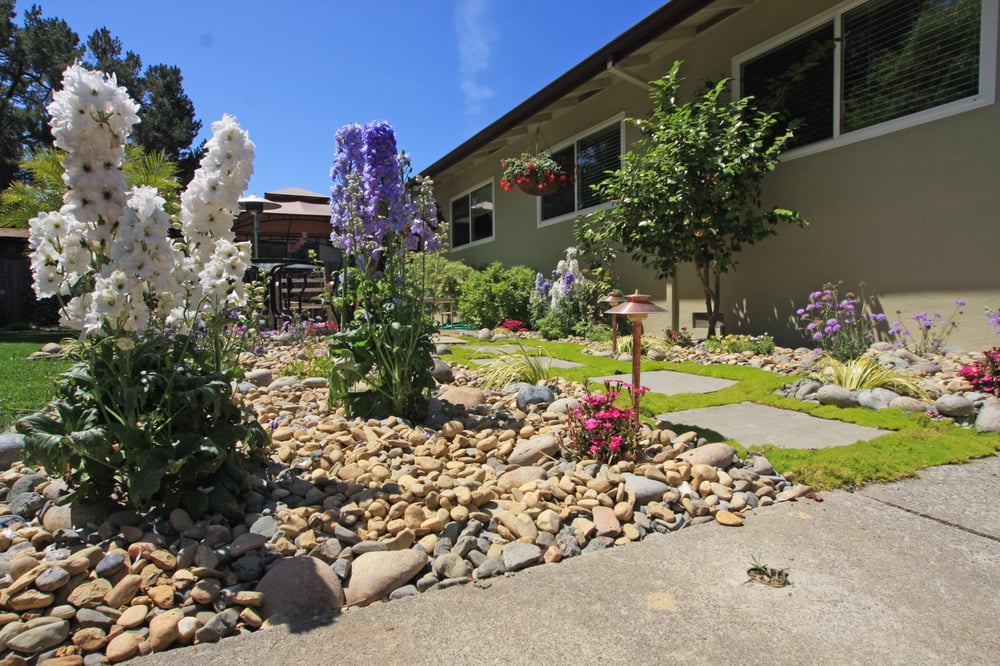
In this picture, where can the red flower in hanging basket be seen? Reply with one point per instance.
(534, 174)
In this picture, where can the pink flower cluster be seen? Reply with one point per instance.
(601, 430)
(984, 375)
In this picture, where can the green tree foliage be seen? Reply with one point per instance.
(690, 191)
(496, 293)
(43, 188)
(32, 58)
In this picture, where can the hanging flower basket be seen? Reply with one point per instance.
(538, 175)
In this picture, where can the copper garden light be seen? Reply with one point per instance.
(636, 307)
(613, 299)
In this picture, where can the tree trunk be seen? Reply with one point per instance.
(705, 274)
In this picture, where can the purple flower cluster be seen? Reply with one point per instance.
(368, 199)
(840, 326)
(994, 320)
(542, 285)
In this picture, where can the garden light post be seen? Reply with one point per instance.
(613, 299)
(255, 205)
(636, 308)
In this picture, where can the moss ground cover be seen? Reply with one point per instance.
(916, 442)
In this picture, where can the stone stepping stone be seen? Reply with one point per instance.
(501, 349)
(447, 340)
(668, 382)
(752, 425)
(544, 360)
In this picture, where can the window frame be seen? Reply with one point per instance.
(467, 194)
(617, 119)
(985, 97)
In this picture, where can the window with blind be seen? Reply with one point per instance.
(472, 216)
(874, 64)
(593, 156)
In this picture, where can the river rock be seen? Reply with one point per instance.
(300, 588)
(716, 455)
(532, 395)
(536, 449)
(956, 406)
(989, 418)
(908, 404)
(646, 490)
(518, 555)
(40, 638)
(838, 396)
(464, 396)
(375, 575)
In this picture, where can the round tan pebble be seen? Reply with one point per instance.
(122, 647)
(163, 630)
(90, 639)
(161, 595)
(728, 518)
(133, 616)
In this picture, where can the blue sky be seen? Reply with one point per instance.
(293, 72)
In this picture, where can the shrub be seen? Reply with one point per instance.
(496, 293)
(737, 344)
(984, 375)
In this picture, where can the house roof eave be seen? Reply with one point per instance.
(646, 30)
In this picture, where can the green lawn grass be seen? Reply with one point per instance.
(26, 386)
(916, 442)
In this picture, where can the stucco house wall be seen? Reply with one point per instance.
(912, 214)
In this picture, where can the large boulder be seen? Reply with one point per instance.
(375, 575)
(298, 589)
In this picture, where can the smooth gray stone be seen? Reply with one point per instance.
(646, 490)
(954, 406)
(11, 447)
(491, 566)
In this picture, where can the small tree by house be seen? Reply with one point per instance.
(690, 190)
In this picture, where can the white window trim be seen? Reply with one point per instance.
(481, 241)
(987, 79)
(559, 219)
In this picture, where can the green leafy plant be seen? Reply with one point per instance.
(738, 343)
(865, 372)
(625, 344)
(600, 430)
(681, 338)
(762, 573)
(691, 190)
(523, 366)
(496, 293)
(533, 172)
(379, 216)
(149, 421)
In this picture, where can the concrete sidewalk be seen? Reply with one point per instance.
(905, 573)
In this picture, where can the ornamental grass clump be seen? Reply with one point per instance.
(984, 375)
(865, 372)
(384, 339)
(601, 430)
(145, 416)
(523, 366)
